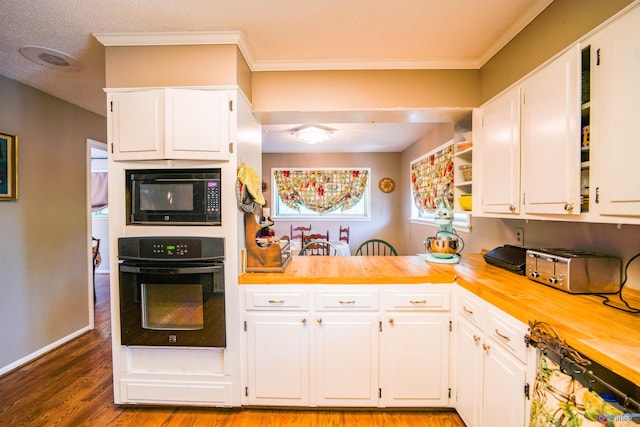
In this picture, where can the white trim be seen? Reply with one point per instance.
(43, 350)
(178, 38)
(457, 226)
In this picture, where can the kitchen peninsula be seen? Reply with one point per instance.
(605, 335)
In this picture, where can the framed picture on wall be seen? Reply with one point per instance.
(8, 166)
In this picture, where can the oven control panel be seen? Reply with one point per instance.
(170, 248)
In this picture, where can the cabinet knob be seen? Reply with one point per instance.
(391, 321)
(303, 320)
(476, 338)
(319, 320)
(486, 347)
(568, 207)
(512, 208)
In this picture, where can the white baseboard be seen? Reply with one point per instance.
(43, 350)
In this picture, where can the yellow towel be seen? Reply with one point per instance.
(249, 178)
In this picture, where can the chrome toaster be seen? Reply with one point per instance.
(575, 271)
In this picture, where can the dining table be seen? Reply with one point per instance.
(343, 247)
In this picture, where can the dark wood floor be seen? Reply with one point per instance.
(73, 386)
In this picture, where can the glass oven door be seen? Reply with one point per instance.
(172, 303)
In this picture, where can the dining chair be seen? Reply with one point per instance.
(376, 247)
(344, 234)
(297, 232)
(320, 247)
(314, 236)
(96, 260)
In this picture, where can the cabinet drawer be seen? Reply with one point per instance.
(416, 301)
(508, 332)
(471, 308)
(261, 300)
(347, 301)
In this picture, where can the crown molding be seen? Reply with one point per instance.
(178, 38)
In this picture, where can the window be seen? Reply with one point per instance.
(321, 193)
(432, 179)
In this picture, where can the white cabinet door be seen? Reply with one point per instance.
(136, 125)
(197, 124)
(469, 373)
(551, 137)
(500, 154)
(615, 113)
(503, 391)
(170, 124)
(278, 359)
(346, 364)
(415, 359)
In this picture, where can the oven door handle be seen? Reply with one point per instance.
(170, 270)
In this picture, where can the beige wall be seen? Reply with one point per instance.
(387, 219)
(184, 65)
(44, 287)
(563, 23)
(364, 90)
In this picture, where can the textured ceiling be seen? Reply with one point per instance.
(280, 34)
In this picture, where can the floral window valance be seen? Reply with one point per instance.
(432, 178)
(321, 190)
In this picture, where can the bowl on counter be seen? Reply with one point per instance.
(465, 201)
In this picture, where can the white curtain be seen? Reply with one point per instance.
(99, 198)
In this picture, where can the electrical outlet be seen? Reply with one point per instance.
(518, 234)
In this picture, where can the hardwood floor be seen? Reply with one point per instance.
(72, 386)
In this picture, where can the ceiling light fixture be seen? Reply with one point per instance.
(311, 134)
(50, 58)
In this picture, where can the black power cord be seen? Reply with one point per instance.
(609, 303)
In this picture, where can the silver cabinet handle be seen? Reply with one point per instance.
(276, 301)
(347, 302)
(422, 301)
(464, 307)
(504, 337)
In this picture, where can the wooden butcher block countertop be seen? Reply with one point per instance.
(608, 336)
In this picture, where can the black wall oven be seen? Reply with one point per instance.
(172, 291)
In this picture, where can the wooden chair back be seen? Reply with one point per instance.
(376, 247)
(297, 232)
(306, 238)
(343, 236)
(319, 247)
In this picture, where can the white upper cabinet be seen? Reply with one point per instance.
(615, 131)
(500, 154)
(169, 124)
(551, 137)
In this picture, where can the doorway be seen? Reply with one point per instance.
(98, 209)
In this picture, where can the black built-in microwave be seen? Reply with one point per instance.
(174, 196)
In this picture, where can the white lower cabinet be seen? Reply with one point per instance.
(278, 359)
(468, 367)
(494, 367)
(414, 366)
(360, 346)
(346, 359)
